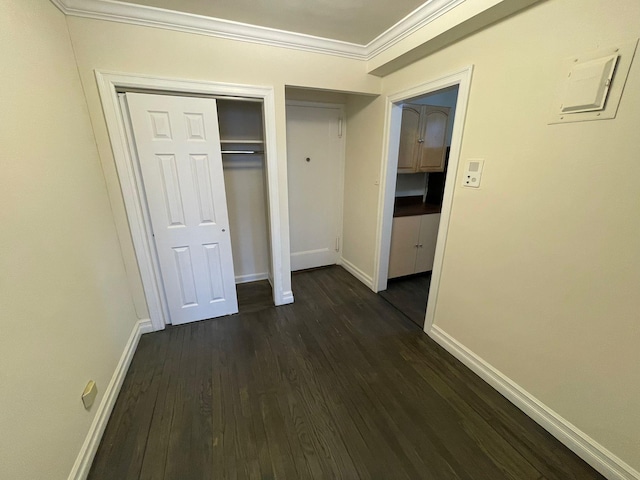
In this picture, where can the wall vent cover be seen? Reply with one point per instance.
(588, 84)
(591, 84)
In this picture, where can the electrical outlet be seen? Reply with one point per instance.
(89, 394)
(473, 173)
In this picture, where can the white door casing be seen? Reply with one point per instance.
(109, 84)
(315, 164)
(388, 172)
(178, 148)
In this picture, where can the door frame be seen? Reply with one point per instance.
(109, 84)
(393, 120)
(341, 161)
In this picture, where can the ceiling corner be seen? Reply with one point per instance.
(61, 6)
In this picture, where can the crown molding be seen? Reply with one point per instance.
(142, 15)
(421, 16)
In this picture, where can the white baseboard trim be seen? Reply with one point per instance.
(287, 297)
(580, 443)
(84, 460)
(251, 277)
(356, 272)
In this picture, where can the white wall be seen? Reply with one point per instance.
(362, 183)
(312, 95)
(144, 50)
(244, 179)
(66, 307)
(457, 23)
(541, 271)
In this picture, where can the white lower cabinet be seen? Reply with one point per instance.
(413, 244)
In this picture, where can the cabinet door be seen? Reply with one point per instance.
(427, 242)
(404, 244)
(433, 137)
(409, 129)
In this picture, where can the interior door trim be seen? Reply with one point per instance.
(393, 118)
(109, 84)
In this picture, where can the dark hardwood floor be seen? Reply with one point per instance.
(338, 385)
(409, 295)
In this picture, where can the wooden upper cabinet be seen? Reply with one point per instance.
(433, 149)
(409, 131)
(423, 136)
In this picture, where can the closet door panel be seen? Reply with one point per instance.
(181, 166)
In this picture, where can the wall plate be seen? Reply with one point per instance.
(595, 79)
(473, 172)
(89, 394)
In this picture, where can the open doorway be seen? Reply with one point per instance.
(423, 157)
(424, 134)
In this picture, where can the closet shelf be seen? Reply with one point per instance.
(242, 152)
(242, 142)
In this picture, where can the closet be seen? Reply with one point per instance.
(242, 142)
(202, 175)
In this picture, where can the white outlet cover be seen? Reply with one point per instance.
(473, 173)
(89, 394)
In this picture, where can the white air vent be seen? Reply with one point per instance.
(591, 84)
(588, 84)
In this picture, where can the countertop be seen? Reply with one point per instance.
(410, 206)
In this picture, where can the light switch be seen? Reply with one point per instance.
(473, 173)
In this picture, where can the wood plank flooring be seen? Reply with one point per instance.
(409, 295)
(338, 385)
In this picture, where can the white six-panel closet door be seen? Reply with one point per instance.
(178, 144)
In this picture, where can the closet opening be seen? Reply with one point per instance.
(210, 165)
(243, 160)
(241, 144)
